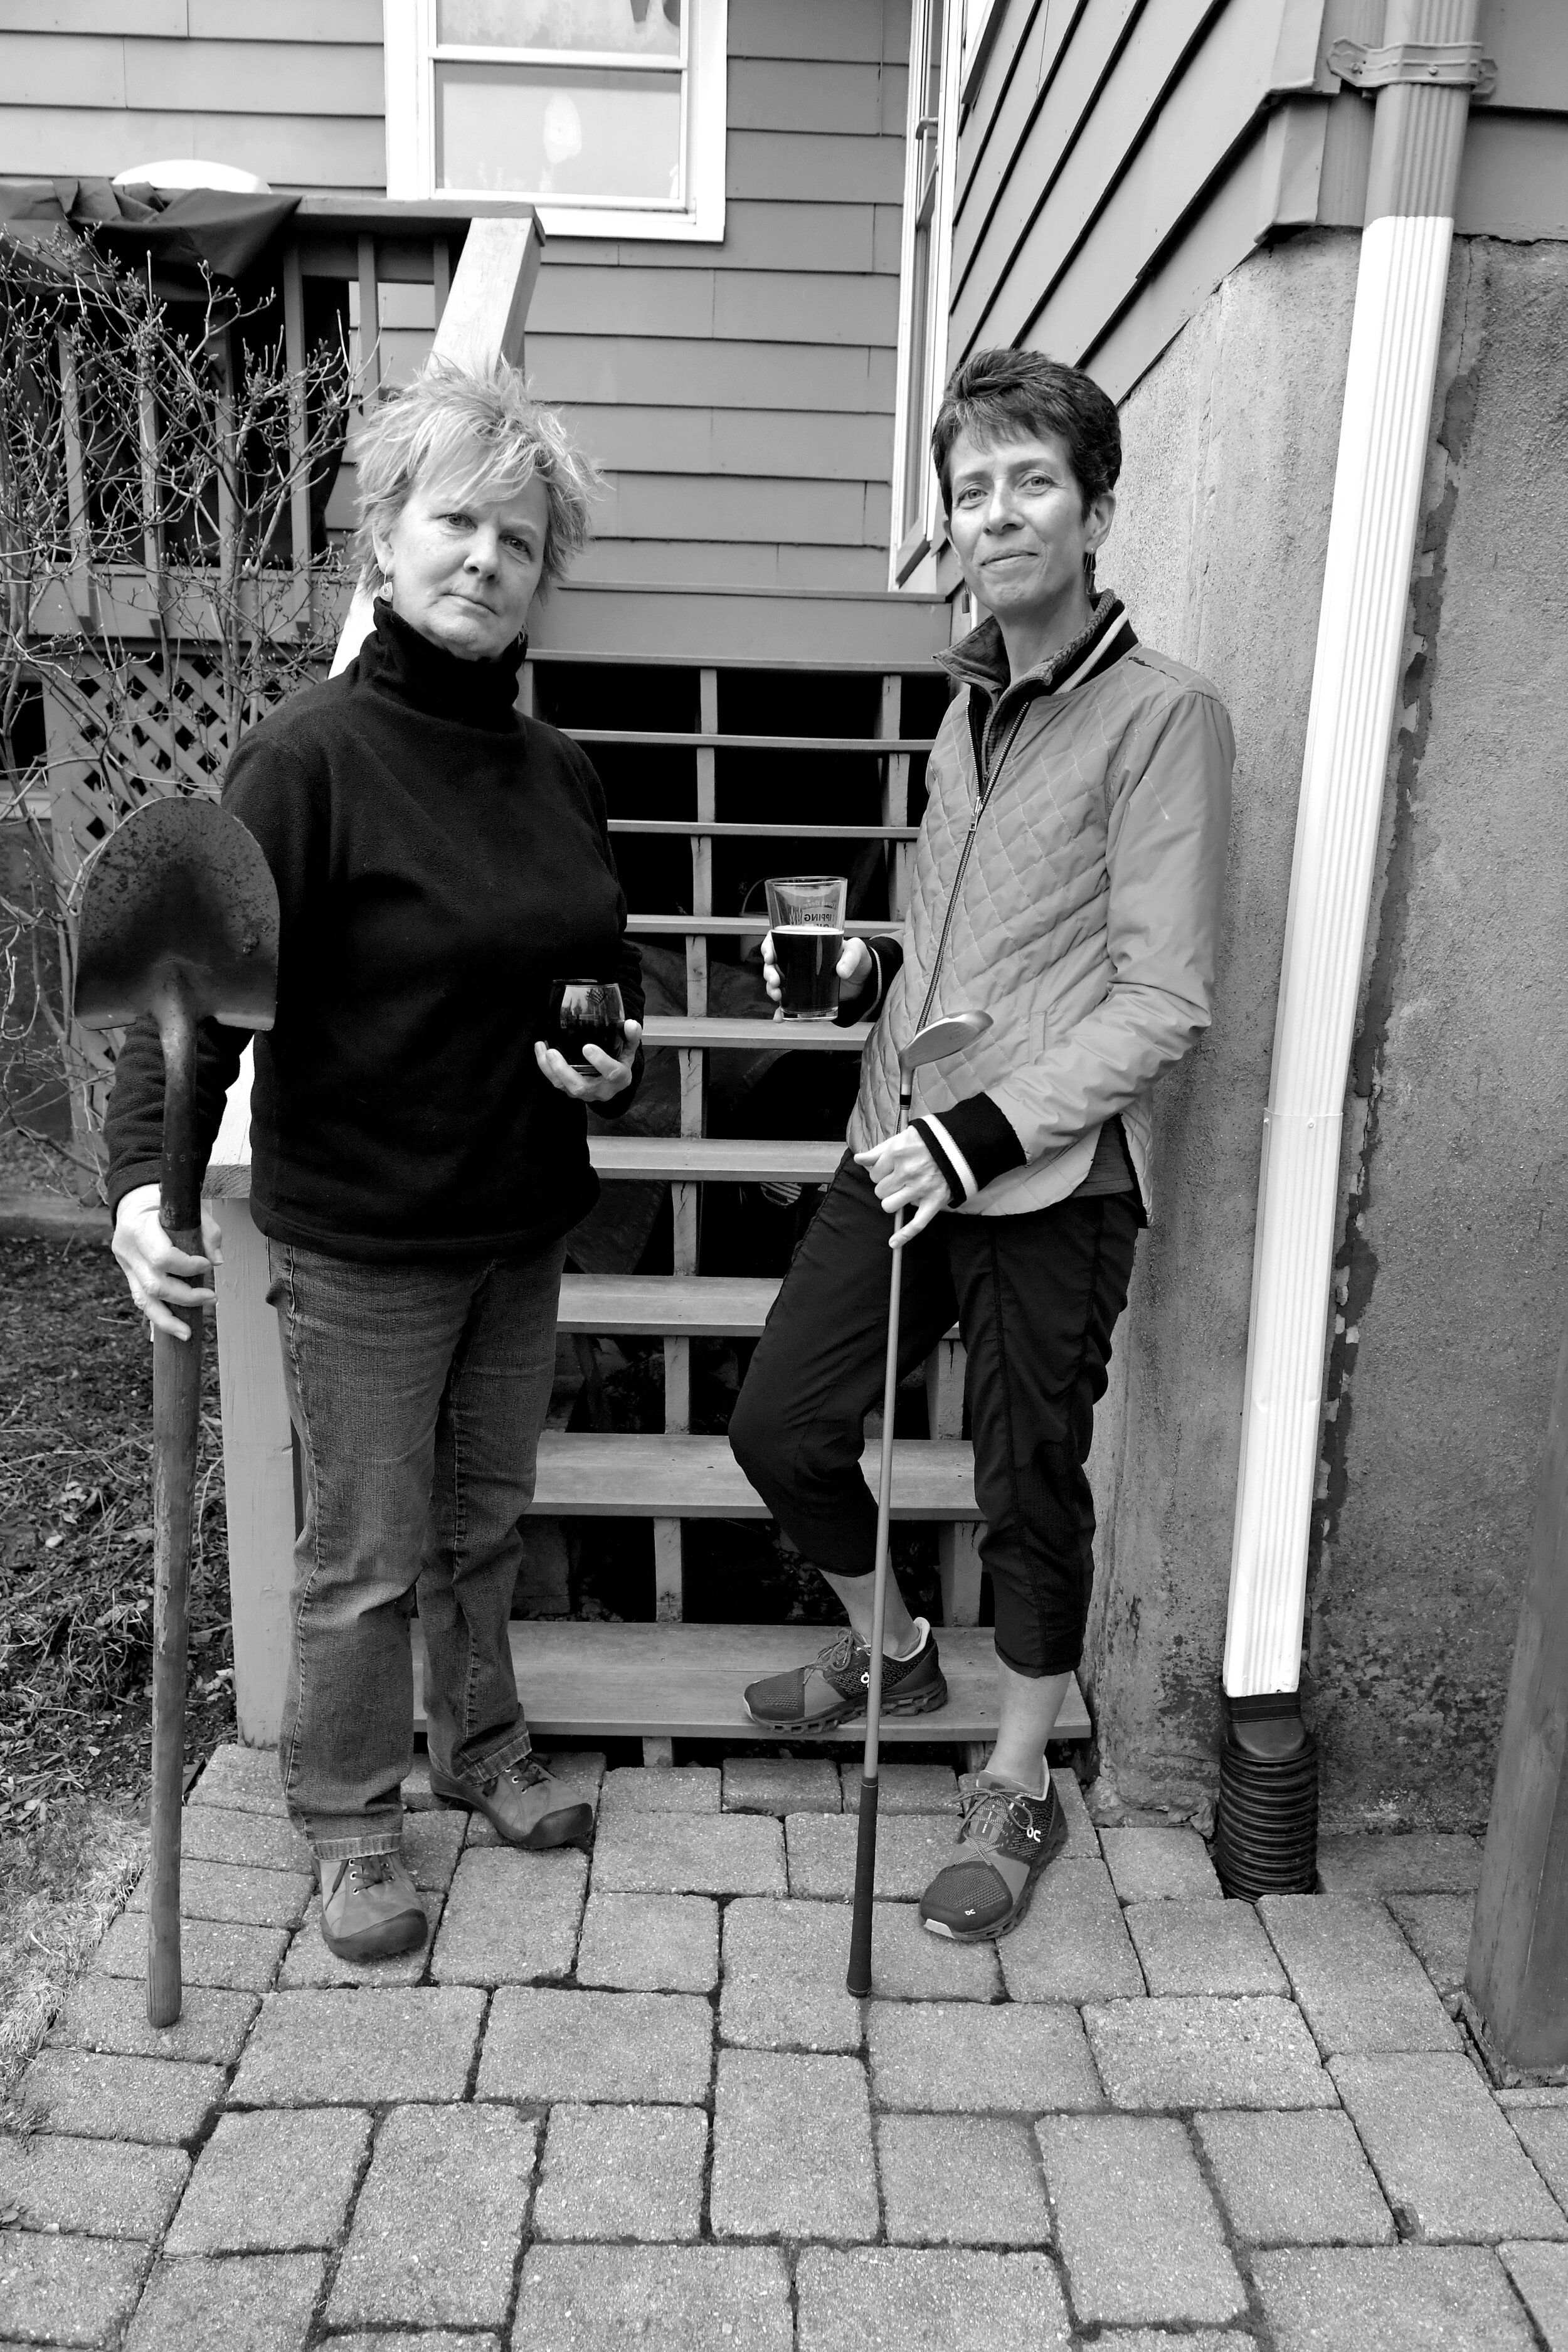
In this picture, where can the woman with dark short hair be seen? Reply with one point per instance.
(419, 1154)
(1067, 881)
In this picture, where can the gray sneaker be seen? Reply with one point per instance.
(831, 1688)
(1006, 1840)
(369, 1907)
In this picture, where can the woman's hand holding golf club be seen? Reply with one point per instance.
(160, 1275)
(907, 1177)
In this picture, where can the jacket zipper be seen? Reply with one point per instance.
(988, 785)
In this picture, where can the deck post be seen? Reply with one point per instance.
(257, 1476)
(1516, 1986)
(957, 1540)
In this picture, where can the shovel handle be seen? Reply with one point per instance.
(176, 1410)
(176, 1403)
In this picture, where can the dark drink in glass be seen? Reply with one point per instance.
(808, 970)
(805, 914)
(586, 1013)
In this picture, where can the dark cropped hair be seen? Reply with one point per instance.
(1004, 395)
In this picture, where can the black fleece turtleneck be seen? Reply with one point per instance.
(439, 860)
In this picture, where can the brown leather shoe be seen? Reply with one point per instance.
(369, 1907)
(521, 1803)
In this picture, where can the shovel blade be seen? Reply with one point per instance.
(178, 905)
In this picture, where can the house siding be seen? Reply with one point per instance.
(1119, 158)
(738, 396)
(291, 91)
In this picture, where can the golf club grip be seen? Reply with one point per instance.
(176, 1404)
(859, 1979)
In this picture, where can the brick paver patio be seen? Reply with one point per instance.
(627, 2101)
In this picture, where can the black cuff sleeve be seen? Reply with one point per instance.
(985, 1136)
(932, 1141)
(886, 960)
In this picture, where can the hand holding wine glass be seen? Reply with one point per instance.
(589, 1049)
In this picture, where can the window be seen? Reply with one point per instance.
(935, 36)
(607, 114)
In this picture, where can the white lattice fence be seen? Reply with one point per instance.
(123, 725)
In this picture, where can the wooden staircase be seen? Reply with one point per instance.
(667, 1679)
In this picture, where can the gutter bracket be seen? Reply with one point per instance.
(1431, 64)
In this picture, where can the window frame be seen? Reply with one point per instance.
(411, 53)
(911, 553)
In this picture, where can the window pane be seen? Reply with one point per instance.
(566, 137)
(650, 28)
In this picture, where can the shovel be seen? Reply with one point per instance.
(179, 919)
(934, 1043)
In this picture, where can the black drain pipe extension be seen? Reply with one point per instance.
(1423, 76)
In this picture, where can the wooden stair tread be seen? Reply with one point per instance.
(703, 828)
(684, 1682)
(877, 747)
(711, 1306)
(674, 1306)
(742, 927)
(647, 1158)
(754, 1036)
(713, 1159)
(616, 1477)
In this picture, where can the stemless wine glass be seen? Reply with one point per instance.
(805, 914)
(586, 1013)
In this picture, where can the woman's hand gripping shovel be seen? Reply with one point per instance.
(932, 1044)
(179, 919)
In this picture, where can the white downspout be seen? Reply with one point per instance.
(1424, 76)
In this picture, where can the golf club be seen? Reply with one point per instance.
(179, 919)
(934, 1043)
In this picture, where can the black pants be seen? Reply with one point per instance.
(1036, 1299)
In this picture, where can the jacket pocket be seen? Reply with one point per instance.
(1039, 1030)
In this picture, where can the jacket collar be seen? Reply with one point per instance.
(413, 671)
(981, 658)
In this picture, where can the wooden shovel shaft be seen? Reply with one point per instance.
(177, 1401)
(176, 1408)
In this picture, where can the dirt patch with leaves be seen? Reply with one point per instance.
(75, 1613)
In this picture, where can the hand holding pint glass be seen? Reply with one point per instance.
(806, 962)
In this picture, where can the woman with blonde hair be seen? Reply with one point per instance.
(420, 1153)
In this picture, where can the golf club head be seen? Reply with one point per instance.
(179, 902)
(938, 1039)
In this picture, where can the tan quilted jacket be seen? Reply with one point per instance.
(1069, 883)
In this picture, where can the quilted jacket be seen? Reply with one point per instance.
(1067, 881)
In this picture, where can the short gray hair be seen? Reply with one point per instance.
(482, 432)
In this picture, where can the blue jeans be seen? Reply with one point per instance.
(417, 1390)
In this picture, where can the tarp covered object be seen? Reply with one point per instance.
(178, 233)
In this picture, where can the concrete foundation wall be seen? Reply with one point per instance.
(1454, 1276)
(1455, 1266)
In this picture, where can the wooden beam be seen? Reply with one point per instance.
(481, 320)
(298, 426)
(76, 485)
(1516, 1983)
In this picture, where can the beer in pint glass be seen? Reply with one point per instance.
(805, 912)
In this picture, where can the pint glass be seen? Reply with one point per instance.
(805, 912)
